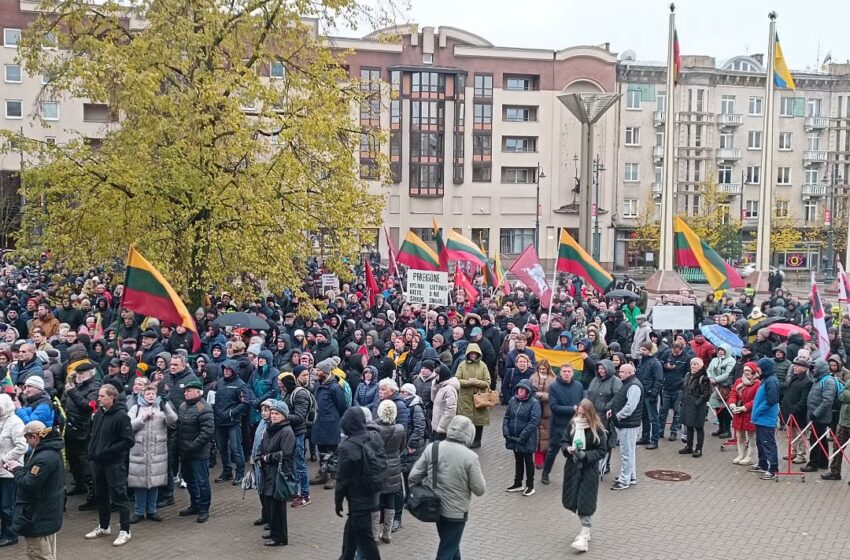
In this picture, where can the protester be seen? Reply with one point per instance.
(195, 432)
(696, 392)
(13, 445)
(395, 440)
(277, 449)
(519, 428)
(764, 417)
(473, 376)
(625, 415)
(741, 400)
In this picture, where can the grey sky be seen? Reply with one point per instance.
(719, 28)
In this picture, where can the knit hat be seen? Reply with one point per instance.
(326, 365)
(279, 406)
(297, 333)
(387, 411)
(255, 349)
(35, 381)
(296, 371)
(752, 365)
(802, 360)
(409, 388)
(193, 384)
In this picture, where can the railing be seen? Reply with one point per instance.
(658, 152)
(730, 188)
(728, 119)
(658, 118)
(657, 188)
(814, 190)
(729, 153)
(814, 155)
(817, 122)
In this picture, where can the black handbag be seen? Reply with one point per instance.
(285, 483)
(423, 503)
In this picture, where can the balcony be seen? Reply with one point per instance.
(729, 188)
(814, 190)
(657, 153)
(725, 119)
(816, 123)
(814, 156)
(728, 154)
(658, 118)
(657, 188)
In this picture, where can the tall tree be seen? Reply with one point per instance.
(216, 169)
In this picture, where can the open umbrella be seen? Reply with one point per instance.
(766, 323)
(787, 329)
(622, 294)
(240, 319)
(718, 335)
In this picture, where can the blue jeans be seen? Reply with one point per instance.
(7, 508)
(145, 500)
(301, 466)
(196, 473)
(229, 439)
(766, 445)
(450, 531)
(650, 427)
(670, 399)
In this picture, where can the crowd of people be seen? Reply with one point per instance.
(360, 393)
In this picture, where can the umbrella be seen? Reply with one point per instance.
(787, 329)
(240, 319)
(718, 335)
(622, 294)
(766, 323)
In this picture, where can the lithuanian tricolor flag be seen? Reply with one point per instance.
(459, 248)
(693, 252)
(575, 260)
(415, 253)
(441, 248)
(501, 280)
(147, 292)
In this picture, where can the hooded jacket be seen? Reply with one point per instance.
(444, 397)
(394, 437)
(822, 394)
(601, 391)
(473, 377)
(232, 397)
(13, 445)
(349, 470)
(766, 403)
(563, 399)
(40, 490)
(112, 435)
(720, 371)
(519, 426)
(565, 345)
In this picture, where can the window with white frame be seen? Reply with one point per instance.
(724, 174)
(754, 140)
(781, 209)
(659, 174)
(630, 208)
(631, 172)
(785, 141)
(755, 106)
(783, 176)
(786, 107)
(277, 71)
(813, 107)
(727, 140)
(812, 177)
(727, 104)
(657, 215)
(661, 101)
(50, 110)
(632, 136)
(752, 208)
(659, 139)
(12, 74)
(633, 98)
(813, 141)
(14, 109)
(11, 37)
(753, 174)
(810, 210)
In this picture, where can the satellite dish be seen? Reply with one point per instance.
(628, 56)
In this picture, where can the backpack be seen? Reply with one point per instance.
(312, 409)
(839, 388)
(373, 465)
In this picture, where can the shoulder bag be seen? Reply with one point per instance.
(423, 503)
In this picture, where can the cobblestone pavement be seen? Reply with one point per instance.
(722, 512)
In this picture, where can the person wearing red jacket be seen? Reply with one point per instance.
(740, 401)
(703, 349)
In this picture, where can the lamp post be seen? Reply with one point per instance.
(540, 175)
(831, 182)
(598, 167)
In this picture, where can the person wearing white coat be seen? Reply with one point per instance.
(13, 445)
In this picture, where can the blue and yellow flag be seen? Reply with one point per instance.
(781, 75)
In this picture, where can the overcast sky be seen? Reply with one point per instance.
(719, 28)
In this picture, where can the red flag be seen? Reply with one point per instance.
(393, 252)
(528, 269)
(371, 284)
(461, 281)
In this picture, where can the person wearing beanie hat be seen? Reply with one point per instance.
(277, 448)
(650, 373)
(819, 403)
(740, 400)
(331, 404)
(793, 405)
(35, 403)
(394, 437)
(765, 416)
(302, 408)
(195, 433)
(255, 349)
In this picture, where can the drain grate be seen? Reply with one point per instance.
(668, 476)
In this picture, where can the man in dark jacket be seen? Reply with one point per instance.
(109, 452)
(651, 375)
(564, 395)
(231, 404)
(819, 401)
(389, 390)
(80, 403)
(330, 406)
(40, 490)
(675, 363)
(793, 405)
(178, 376)
(350, 475)
(151, 347)
(195, 432)
(300, 402)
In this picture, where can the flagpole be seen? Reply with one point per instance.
(669, 163)
(766, 187)
(554, 276)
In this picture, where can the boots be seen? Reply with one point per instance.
(581, 542)
(321, 478)
(330, 483)
(376, 526)
(748, 459)
(386, 534)
(742, 451)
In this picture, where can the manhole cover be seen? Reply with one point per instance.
(668, 476)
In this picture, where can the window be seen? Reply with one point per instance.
(783, 176)
(481, 174)
(98, 112)
(754, 140)
(425, 114)
(11, 37)
(724, 174)
(519, 114)
(482, 147)
(632, 136)
(277, 70)
(13, 74)
(427, 145)
(523, 144)
(481, 236)
(50, 110)
(482, 114)
(426, 234)
(46, 79)
(661, 101)
(395, 112)
(753, 174)
(370, 79)
(659, 139)
(810, 210)
(659, 174)
(752, 208)
(727, 104)
(633, 98)
(515, 175)
(785, 141)
(630, 208)
(426, 180)
(727, 140)
(483, 85)
(812, 177)
(428, 82)
(427, 58)
(813, 141)
(755, 108)
(813, 107)
(700, 106)
(14, 109)
(781, 209)
(631, 172)
(786, 107)
(520, 83)
(513, 241)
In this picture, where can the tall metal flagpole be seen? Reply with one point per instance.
(766, 187)
(554, 280)
(669, 164)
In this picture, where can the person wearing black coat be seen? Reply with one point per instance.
(278, 446)
(299, 401)
(696, 389)
(651, 375)
(564, 395)
(794, 405)
(232, 396)
(79, 401)
(675, 362)
(195, 432)
(40, 491)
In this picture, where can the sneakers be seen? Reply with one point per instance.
(830, 476)
(529, 491)
(769, 476)
(545, 479)
(672, 437)
(300, 502)
(122, 539)
(619, 486)
(223, 478)
(652, 445)
(632, 482)
(515, 487)
(237, 481)
(580, 543)
(755, 469)
(99, 532)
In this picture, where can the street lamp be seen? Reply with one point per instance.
(598, 167)
(831, 182)
(540, 175)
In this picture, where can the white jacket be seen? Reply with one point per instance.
(12, 442)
